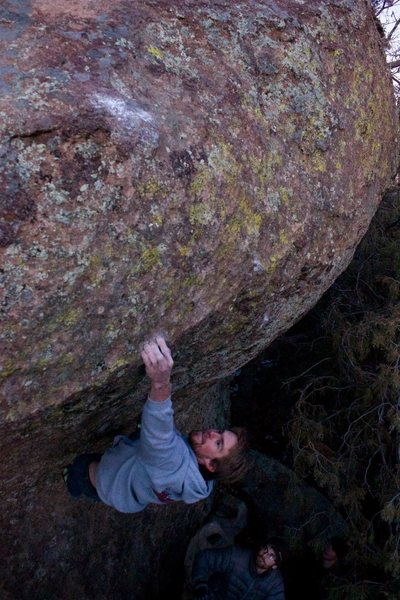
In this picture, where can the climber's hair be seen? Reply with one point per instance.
(232, 468)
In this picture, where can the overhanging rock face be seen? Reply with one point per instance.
(202, 167)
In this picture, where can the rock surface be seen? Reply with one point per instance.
(204, 168)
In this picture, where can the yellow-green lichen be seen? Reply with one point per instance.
(272, 264)
(157, 219)
(251, 220)
(65, 319)
(232, 327)
(170, 296)
(319, 162)
(193, 280)
(285, 194)
(150, 188)
(69, 317)
(360, 76)
(283, 237)
(264, 169)
(184, 250)
(202, 182)
(156, 216)
(8, 368)
(118, 364)
(223, 162)
(244, 220)
(155, 52)
(43, 362)
(201, 214)
(259, 114)
(234, 226)
(11, 416)
(367, 122)
(150, 258)
(66, 359)
(96, 270)
(108, 249)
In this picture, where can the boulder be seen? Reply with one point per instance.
(204, 168)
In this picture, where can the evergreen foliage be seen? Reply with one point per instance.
(345, 427)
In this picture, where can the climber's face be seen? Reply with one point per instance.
(212, 444)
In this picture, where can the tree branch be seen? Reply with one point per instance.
(395, 26)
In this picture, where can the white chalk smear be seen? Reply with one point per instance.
(258, 266)
(126, 113)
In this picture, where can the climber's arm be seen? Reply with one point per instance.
(158, 362)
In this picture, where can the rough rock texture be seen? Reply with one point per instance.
(202, 167)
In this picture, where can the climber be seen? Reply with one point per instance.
(236, 572)
(160, 465)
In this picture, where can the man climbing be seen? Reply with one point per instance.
(235, 572)
(161, 465)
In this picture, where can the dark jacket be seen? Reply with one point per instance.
(241, 579)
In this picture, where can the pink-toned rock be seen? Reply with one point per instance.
(202, 167)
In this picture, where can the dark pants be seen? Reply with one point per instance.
(78, 482)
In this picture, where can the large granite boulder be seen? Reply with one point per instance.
(202, 167)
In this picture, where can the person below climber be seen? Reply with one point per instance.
(308, 573)
(236, 572)
(160, 466)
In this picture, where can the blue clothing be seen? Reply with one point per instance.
(157, 468)
(241, 581)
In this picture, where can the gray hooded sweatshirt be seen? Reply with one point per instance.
(158, 468)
